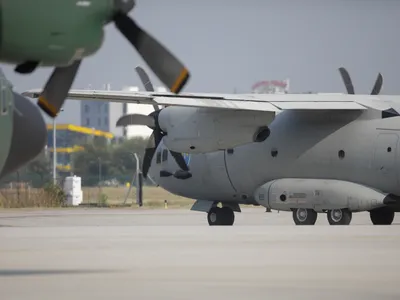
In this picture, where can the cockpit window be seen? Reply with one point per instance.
(165, 155)
(158, 158)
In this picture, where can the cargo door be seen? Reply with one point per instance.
(384, 160)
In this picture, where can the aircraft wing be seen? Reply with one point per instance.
(257, 102)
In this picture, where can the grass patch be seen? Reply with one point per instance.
(153, 197)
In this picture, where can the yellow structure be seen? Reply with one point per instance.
(69, 139)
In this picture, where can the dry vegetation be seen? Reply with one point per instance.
(153, 197)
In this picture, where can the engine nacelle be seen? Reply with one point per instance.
(75, 28)
(318, 194)
(199, 130)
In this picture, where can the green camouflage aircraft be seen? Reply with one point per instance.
(22, 129)
(61, 33)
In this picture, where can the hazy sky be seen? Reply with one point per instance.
(232, 44)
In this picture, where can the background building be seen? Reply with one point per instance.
(271, 87)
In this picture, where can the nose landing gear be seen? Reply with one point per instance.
(221, 216)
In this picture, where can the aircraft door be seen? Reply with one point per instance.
(384, 160)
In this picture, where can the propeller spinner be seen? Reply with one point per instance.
(155, 138)
(165, 65)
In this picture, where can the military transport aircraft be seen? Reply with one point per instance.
(307, 153)
(22, 129)
(62, 33)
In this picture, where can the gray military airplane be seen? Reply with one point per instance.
(22, 129)
(307, 153)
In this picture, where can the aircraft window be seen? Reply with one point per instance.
(86, 108)
(165, 155)
(158, 158)
(274, 152)
(341, 154)
(389, 149)
(230, 151)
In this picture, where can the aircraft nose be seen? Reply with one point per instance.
(29, 135)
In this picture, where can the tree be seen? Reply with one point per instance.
(40, 166)
(116, 161)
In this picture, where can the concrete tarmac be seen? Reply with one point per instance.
(174, 254)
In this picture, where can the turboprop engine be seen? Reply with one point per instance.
(196, 130)
(199, 130)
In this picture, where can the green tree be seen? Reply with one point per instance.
(41, 167)
(116, 161)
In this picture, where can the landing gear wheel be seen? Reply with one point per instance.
(382, 216)
(304, 216)
(220, 216)
(228, 216)
(339, 216)
(213, 216)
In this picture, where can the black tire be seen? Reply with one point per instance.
(214, 216)
(304, 216)
(382, 216)
(228, 216)
(339, 216)
(220, 216)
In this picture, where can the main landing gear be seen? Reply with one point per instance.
(305, 216)
(221, 216)
(339, 216)
(382, 216)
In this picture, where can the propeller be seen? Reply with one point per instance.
(166, 66)
(155, 138)
(349, 84)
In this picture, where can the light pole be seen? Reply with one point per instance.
(55, 151)
(99, 158)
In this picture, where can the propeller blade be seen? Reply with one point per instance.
(136, 119)
(347, 80)
(145, 79)
(179, 160)
(378, 85)
(148, 155)
(166, 66)
(56, 90)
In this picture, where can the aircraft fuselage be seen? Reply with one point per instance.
(64, 30)
(347, 146)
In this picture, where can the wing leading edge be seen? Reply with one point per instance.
(255, 102)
